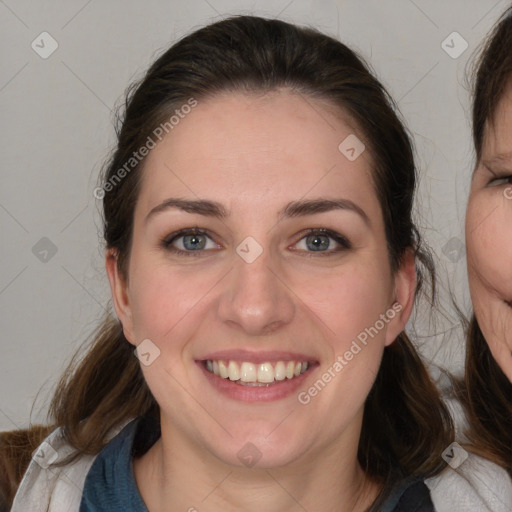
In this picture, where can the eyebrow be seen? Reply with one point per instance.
(293, 209)
(312, 206)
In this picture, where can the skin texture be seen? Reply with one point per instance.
(489, 236)
(255, 154)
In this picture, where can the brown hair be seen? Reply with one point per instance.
(16, 448)
(487, 396)
(492, 75)
(486, 392)
(406, 426)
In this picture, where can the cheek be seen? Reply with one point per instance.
(353, 307)
(349, 302)
(489, 241)
(165, 299)
(489, 248)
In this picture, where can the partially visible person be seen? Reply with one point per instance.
(485, 409)
(489, 252)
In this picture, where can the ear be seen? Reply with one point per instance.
(119, 289)
(405, 288)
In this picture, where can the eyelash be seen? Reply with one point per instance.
(343, 243)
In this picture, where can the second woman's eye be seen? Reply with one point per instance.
(503, 180)
(322, 241)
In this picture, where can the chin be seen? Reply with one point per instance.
(252, 455)
(260, 450)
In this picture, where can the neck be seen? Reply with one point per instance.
(177, 476)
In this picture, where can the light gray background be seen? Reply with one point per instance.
(57, 131)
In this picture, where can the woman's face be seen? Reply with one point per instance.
(259, 253)
(489, 236)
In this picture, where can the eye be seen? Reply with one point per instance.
(189, 241)
(322, 242)
(504, 180)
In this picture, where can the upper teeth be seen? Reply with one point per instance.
(264, 373)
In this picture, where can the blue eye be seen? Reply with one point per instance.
(194, 242)
(318, 242)
(189, 241)
(323, 241)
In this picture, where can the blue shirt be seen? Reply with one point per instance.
(110, 483)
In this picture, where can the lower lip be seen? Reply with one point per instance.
(275, 391)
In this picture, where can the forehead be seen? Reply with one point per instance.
(498, 129)
(242, 149)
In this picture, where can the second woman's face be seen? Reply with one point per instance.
(489, 236)
(259, 279)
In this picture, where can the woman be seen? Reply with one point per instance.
(489, 252)
(262, 261)
(486, 393)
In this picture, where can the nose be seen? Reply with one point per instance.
(256, 299)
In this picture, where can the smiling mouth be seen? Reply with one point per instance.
(257, 374)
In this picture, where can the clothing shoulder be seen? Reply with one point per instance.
(471, 483)
(110, 483)
(410, 495)
(48, 486)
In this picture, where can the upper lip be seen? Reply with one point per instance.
(257, 357)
